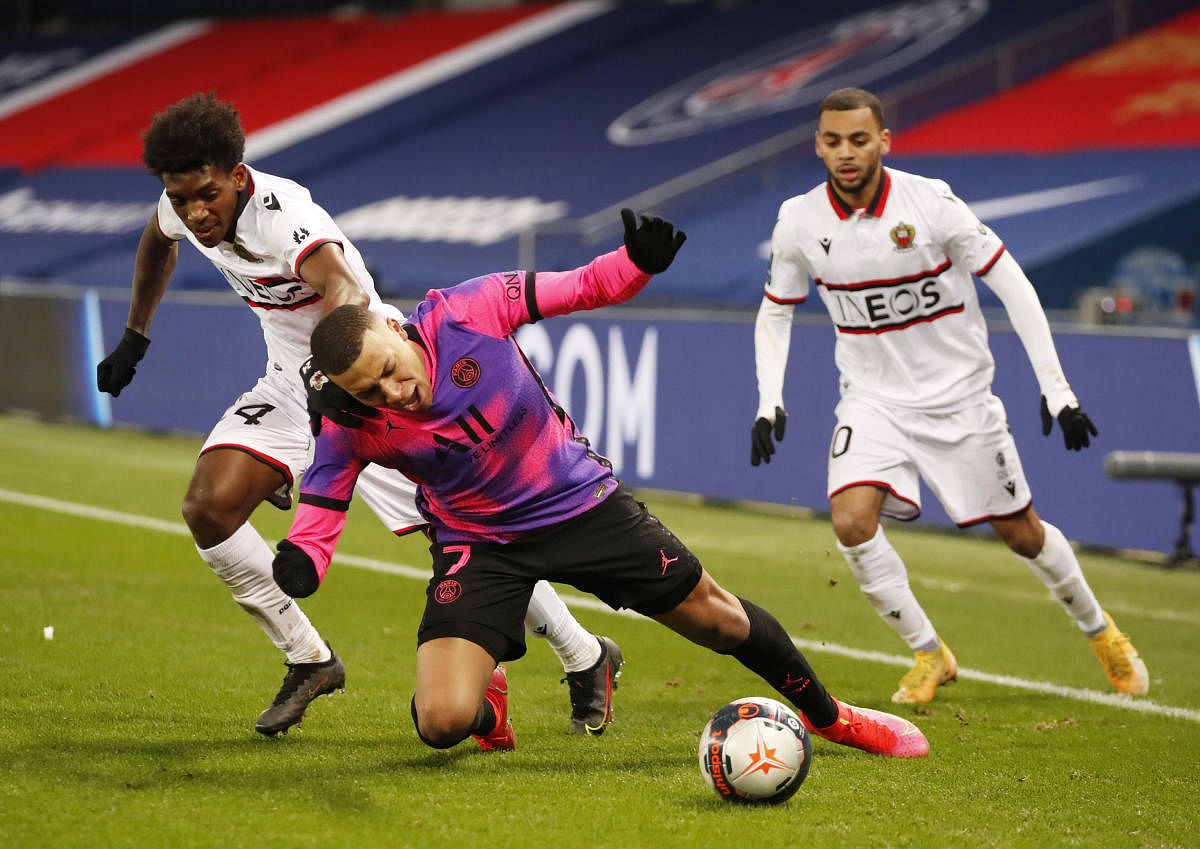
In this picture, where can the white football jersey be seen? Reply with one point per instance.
(896, 279)
(278, 228)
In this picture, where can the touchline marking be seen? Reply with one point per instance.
(1016, 595)
(86, 511)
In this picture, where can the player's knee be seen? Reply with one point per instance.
(711, 617)
(211, 519)
(853, 528)
(441, 726)
(1025, 545)
(1025, 538)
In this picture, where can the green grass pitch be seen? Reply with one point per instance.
(133, 726)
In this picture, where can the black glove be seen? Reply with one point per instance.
(761, 447)
(652, 245)
(294, 570)
(1075, 425)
(326, 398)
(117, 369)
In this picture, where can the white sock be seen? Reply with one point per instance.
(243, 563)
(884, 581)
(547, 616)
(1058, 568)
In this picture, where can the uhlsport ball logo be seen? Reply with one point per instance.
(755, 750)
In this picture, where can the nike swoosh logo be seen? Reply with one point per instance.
(317, 688)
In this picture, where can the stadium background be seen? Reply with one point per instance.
(451, 141)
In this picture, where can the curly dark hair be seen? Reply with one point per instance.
(197, 131)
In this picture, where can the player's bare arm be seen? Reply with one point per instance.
(152, 268)
(326, 270)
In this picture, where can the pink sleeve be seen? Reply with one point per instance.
(316, 530)
(611, 278)
(498, 304)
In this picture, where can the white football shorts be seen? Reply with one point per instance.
(270, 423)
(967, 458)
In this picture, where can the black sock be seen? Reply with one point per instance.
(770, 653)
(485, 719)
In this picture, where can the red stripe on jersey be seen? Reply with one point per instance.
(895, 281)
(881, 485)
(400, 532)
(988, 265)
(970, 522)
(256, 305)
(282, 468)
(858, 331)
(160, 229)
(307, 251)
(840, 207)
(875, 208)
(785, 300)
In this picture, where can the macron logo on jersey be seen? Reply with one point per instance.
(877, 306)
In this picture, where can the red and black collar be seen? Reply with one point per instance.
(874, 208)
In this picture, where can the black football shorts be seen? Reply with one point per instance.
(617, 551)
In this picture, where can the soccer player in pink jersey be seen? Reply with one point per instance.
(892, 255)
(514, 494)
(289, 261)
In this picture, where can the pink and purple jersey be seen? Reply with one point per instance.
(495, 457)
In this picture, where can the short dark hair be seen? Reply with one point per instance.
(337, 338)
(198, 130)
(846, 99)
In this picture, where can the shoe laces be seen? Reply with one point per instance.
(583, 677)
(1117, 651)
(863, 726)
(292, 679)
(926, 665)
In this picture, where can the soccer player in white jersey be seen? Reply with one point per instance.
(892, 255)
(287, 259)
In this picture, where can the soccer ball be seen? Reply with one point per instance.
(755, 750)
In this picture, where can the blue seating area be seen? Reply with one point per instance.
(521, 152)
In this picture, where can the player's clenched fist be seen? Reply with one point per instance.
(117, 369)
(294, 570)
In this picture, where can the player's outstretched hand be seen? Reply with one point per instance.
(294, 570)
(326, 398)
(761, 446)
(1074, 423)
(116, 370)
(653, 243)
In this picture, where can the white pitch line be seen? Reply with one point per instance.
(1017, 595)
(86, 511)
